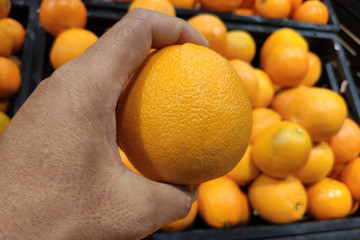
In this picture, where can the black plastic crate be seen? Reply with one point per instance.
(24, 11)
(331, 26)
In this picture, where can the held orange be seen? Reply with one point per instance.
(222, 203)
(186, 119)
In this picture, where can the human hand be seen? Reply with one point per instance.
(61, 173)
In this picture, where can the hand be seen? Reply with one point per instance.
(61, 173)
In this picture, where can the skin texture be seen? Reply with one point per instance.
(61, 172)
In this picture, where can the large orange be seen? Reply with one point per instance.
(282, 99)
(314, 71)
(162, 6)
(185, 222)
(57, 16)
(240, 45)
(284, 36)
(222, 203)
(221, 5)
(5, 7)
(278, 200)
(4, 121)
(70, 44)
(312, 12)
(245, 171)
(320, 111)
(328, 199)
(248, 77)
(319, 164)
(10, 77)
(212, 28)
(346, 142)
(350, 176)
(262, 118)
(281, 149)
(183, 3)
(287, 66)
(186, 119)
(266, 90)
(16, 30)
(6, 43)
(273, 8)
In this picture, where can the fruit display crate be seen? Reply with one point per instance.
(24, 11)
(336, 76)
(331, 26)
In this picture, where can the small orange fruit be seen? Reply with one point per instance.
(16, 30)
(350, 176)
(212, 28)
(283, 98)
(273, 8)
(189, 103)
(278, 200)
(126, 161)
(346, 142)
(162, 6)
(10, 77)
(245, 171)
(320, 111)
(282, 149)
(248, 77)
(319, 164)
(4, 121)
(314, 71)
(262, 118)
(57, 16)
(266, 90)
(183, 3)
(6, 43)
(287, 66)
(312, 12)
(185, 222)
(222, 203)
(220, 5)
(5, 7)
(284, 36)
(328, 199)
(70, 44)
(240, 45)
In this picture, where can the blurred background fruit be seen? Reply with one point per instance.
(10, 77)
(163, 6)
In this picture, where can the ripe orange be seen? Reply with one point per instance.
(284, 36)
(319, 164)
(183, 3)
(163, 6)
(282, 149)
(346, 142)
(186, 119)
(57, 16)
(16, 30)
(5, 7)
(282, 99)
(320, 111)
(240, 45)
(222, 203)
(287, 66)
(278, 200)
(244, 11)
(266, 90)
(221, 5)
(70, 44)
(336, 171)
(185, 222)
(273, 8)
(248, 77)
(295, 4)
(328, 199)
(4, 104)
(245, 171)
(6, 43)
(312, 12)
(350, 176)
(262, 118)
(126, 161)
(314, 71)
(4, 121)
(10, 77)
(212, 28)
